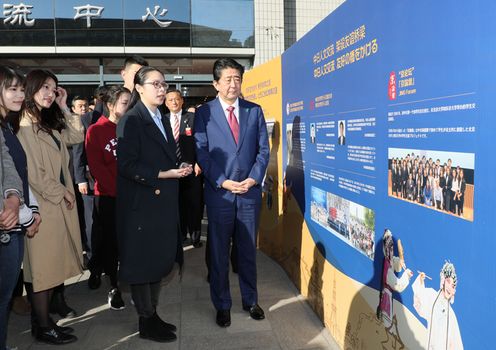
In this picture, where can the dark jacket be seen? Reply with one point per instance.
(147, 207)
(221, 158)
(186, 137)
(78, 152)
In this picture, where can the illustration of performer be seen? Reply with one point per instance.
(435, 307)
(390, 281)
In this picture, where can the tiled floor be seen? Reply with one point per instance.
(289, 323)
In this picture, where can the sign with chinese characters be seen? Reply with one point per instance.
(153, 16)
(151, 23)
(26, 23)
(88, 12)
(95, 23)
(18, 14)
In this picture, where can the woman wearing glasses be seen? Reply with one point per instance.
(147, 201)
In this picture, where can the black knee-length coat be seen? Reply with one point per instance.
(147, 207)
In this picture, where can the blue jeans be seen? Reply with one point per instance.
(11, 255)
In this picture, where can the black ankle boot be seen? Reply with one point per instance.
(149, 328)
(162, 324)
(50, 335)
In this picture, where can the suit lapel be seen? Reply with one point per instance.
(220, 118)
(185, 121)
(244, 112)
(171, 143)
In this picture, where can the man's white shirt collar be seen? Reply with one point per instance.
(225, 106)
(179, 114)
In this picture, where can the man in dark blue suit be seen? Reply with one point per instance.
(233, 152)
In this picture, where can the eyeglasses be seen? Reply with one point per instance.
(158, 84)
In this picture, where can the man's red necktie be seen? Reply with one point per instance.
(233, 123)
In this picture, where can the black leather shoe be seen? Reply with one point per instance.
(94, 281)
(161, 323)
(255, 311)
(223, 318)
(52, 336)
(150, 329)
(63, 329)
(35, 329)
(195, 239)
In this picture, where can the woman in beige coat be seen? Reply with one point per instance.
(55, 253)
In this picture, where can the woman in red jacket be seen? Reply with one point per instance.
(101, 148)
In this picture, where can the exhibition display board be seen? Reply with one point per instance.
(387, 178)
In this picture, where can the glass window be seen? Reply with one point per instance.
(222, 23)
(157, 23)
(168, 65)
(202, 93)
(79, 23)
(68, 65)
(27, 23)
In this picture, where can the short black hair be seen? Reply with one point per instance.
(224, 63)
(135, 59)
(77, 98)
(100, 93)
(341, 124)
(114, 93)
(174, 90)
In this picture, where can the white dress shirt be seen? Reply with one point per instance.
(225, 106)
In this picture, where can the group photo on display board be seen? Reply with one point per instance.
(443, 181)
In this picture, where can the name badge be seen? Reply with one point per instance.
(188, 131)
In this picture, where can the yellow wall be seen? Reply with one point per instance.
(263, 85)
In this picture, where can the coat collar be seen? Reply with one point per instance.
(153, 131)
(27, 121)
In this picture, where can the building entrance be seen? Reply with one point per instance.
(82, 75)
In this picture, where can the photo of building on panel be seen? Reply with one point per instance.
(349, 221)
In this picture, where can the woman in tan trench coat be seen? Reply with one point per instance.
(55, 253)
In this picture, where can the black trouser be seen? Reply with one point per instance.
(145, 297)
(191, 204)
(461, 203)
(19, 288)
(104, 246)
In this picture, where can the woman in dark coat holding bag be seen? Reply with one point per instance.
(147, 201)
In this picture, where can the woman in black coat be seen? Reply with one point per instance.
(147, 200)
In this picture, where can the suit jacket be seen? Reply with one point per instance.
(78, 152)
(186, 138)
(147, 207)
(342, 140)
(221, 158)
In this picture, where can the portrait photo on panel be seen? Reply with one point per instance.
(342, 132)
